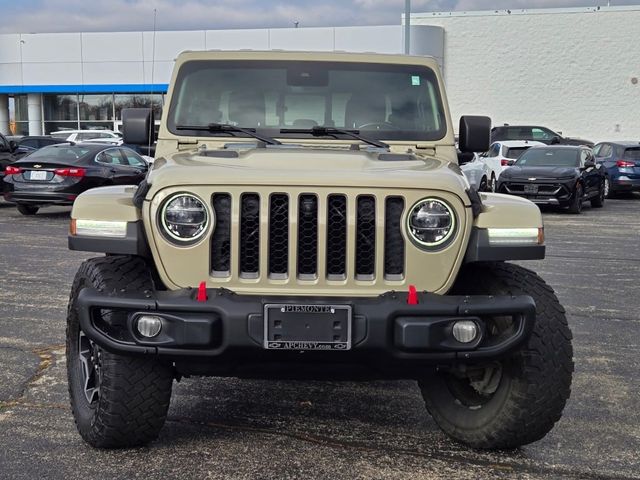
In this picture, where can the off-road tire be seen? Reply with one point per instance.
(576, 203)
(27, 209)
(536, 380)
(598, 201)
(134, 393)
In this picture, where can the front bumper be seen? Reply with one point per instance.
(549, 192)
(229, 329)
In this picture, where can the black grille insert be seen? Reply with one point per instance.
(336, 236)
(250, 235)
(221, 238)
(307, 236)
(366, 237)
(279, 235)
(393, 240)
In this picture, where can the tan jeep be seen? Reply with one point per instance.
(305, 217)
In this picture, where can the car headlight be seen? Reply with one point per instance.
(431, 223)
(184, 218)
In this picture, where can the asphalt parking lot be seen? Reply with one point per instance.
(229, 428)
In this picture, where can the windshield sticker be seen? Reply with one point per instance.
(415, 80)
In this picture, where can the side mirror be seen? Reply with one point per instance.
(465, 157)
(475, 132)
(589, 164)
(510, 163)
(13, 146)
(137, 126)
(555, 141)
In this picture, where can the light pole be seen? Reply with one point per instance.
(407, 26)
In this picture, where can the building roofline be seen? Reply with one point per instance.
(522, 11)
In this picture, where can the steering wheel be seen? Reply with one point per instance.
(379, 126)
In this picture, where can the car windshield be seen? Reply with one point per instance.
(59, 153)
(549, 157)
(380, 101)
(515, 152)
(632, 153)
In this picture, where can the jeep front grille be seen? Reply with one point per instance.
(310, 237)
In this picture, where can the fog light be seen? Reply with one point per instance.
(465, 331)
(149, 326)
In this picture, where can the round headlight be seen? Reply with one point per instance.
(184, 218)
(431, 223)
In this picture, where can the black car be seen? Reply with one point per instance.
(57, 174)
(30, 144)
(534, 132)
(565, 176)
(621, 161)
(7, 154)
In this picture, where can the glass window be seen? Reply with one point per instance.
(542, 134)
(155, 101)
(21, 109)
(110, 157)
(21, 128)
(96, 126)
(60, 107)
(514, 152)
(61, 153)
(385, 101)
(133, 159)
(584, 156)
(605, 150)
(494, 150)
(632, 154)
(96, 107)
(59, 126)
(30, 142)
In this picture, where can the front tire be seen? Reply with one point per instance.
(576, 204)
(515, 400)
(27, 209)
(117, 401)
(598, 202)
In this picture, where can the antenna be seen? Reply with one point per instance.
(153, 68)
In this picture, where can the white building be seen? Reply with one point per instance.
(573, 70)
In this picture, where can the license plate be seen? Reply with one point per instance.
(531, 188)
(307, 327)
(38, 175)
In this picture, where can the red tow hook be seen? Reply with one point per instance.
(202, 292)
(412, 298)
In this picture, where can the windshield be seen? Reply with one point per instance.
(381, 101)
(56, 153)
(551, 157)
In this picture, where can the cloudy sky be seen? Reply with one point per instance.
(26, 16)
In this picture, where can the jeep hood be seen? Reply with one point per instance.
(306, 167)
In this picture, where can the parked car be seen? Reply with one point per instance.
(534, 132)
(57, 174)
(7, 154)
(476, 171)
(621, 161)
(29, 144)
(109, 141)
(499, 155)
(564, 175)
(82, 135)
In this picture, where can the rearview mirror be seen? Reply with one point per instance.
(137, 126)
(475, 133)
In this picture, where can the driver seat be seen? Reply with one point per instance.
(364, 108)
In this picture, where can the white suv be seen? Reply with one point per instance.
(499, 155)
(82, 135)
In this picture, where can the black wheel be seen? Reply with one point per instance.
(576, 203)
(117, 401)
(598, 201)
(27, 209)
(484, 185)
(516, 400)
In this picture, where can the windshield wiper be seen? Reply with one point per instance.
(320, 131)
(228, 128)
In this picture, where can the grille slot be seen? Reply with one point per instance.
(221, 238)
(393, 239)
(336, 237)
(365, 237)
(250, 235)
(279, 236)
(307, 236)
